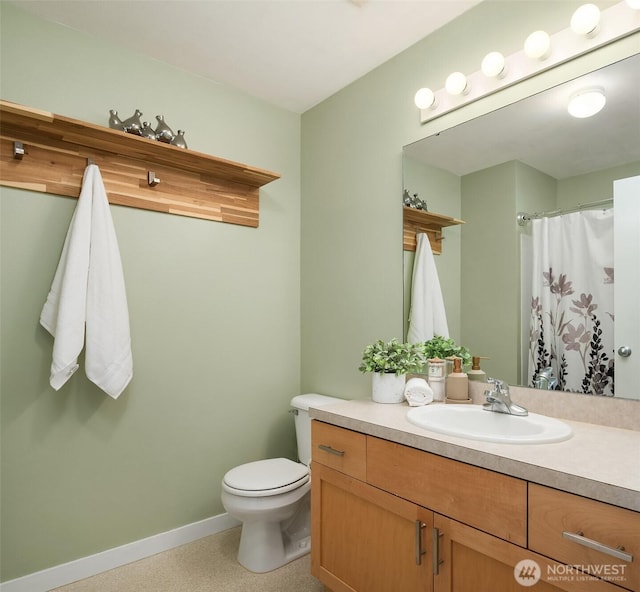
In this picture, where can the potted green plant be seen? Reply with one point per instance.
(390, 361)
(443, 348)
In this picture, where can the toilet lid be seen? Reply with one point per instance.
(267, 477)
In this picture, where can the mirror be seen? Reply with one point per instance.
(555, 162)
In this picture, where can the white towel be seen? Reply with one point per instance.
(417, 392)
(88, 296)
(427, 317)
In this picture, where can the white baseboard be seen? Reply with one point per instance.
(66, 573)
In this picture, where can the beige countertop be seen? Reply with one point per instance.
(598, 462)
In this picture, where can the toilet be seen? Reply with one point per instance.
(271, 498)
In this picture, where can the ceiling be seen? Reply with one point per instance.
(292, 53)
(539, 132)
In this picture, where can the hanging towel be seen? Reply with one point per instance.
(427, 317)
(88, 297)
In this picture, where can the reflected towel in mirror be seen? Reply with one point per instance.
(427, 317)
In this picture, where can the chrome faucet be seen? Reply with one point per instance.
(545, 379)
(499, 400)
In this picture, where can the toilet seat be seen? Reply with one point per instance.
(265, 477)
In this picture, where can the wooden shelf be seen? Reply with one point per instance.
(415, 221)
(56, 150)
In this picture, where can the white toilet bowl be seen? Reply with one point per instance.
(272, 499)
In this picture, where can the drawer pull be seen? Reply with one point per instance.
(437, 562)
(331, 450)
(419, 550)
(579, 538)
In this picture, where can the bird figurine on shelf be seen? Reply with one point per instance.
(163, 132)
(147, 131)
(114, 121)
(133, 125)
(179, 140)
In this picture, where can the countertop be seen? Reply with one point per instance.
(598, 462)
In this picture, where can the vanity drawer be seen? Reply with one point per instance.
(339, 448)
(566, 527)
(489, 501)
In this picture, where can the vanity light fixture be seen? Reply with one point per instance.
(541, 52)
(425, 99)
(585, 20)
(494, 65)
(586, 103)
(537, 46)
(456, 84)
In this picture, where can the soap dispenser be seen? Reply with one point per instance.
(457, 384)
(476, 373)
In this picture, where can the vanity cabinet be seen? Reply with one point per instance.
(389, 517)
(575, 530)
(363, 537)
(472, 561)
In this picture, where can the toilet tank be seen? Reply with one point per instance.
(301, 404)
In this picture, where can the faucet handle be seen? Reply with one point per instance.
(498, 385)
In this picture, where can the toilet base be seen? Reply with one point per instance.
(265, 546)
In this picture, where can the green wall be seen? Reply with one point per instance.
(352, 272)
(227, 322)
(214, 308)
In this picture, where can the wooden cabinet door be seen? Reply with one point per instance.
(366, 540)
(472, 561)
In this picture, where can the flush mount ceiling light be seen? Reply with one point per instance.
(537, 46)
(456, 84)
(585, 20)
(494, 65)
(586, 103)
(425, 99)
(635, 4)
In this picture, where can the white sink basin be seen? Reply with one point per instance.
(472, 421)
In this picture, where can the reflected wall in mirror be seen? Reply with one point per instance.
(531, 157)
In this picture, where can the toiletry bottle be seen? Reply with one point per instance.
(476, 373)
(436, 379)
(457, 383)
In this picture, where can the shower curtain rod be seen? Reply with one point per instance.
(523, 217)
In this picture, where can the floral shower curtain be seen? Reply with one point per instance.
(571, 327)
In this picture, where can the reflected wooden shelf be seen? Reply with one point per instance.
(415, 221)
(56, 150)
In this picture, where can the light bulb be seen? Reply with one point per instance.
(538, 45)
(586, 103)
(585, 20)
(425, 99)
(456, 84)
(493, 65)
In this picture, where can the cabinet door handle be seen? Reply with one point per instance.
(418, 546)
(331, 450)
(579, 538)
(437, 562)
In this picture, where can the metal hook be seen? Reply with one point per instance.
(152, 180)
(18, 150)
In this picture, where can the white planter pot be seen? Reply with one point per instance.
(388, 388)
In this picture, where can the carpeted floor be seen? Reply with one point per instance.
(206, 565)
